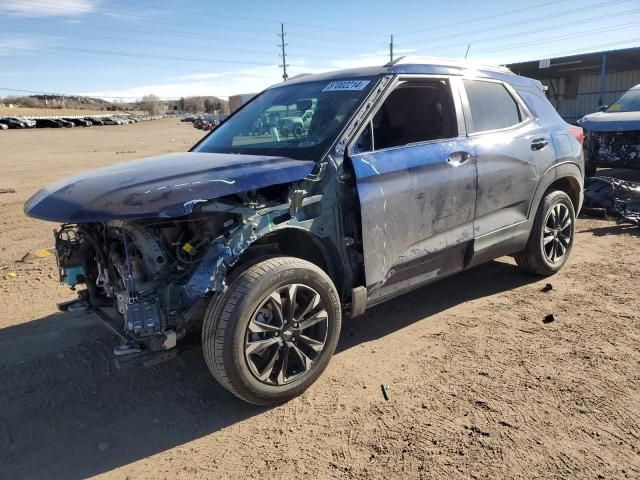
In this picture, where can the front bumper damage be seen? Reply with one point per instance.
(613, 149)
(158, 312)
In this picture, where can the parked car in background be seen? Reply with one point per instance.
(110, 121)
(28, 122)
(206, 122)
(48, 123)
(94, 120)
(613, 134)
(65, 123)
(406, 174)
(78, 122)
(12, 122)
(3, 126)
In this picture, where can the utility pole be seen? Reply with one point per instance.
(284, 53)
(391, 49)
(467, 52)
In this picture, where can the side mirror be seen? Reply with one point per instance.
(603, 108)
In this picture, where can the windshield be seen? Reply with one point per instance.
(628, 102)
(299, 121)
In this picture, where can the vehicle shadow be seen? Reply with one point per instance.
(617, 229)
(66, 411)
(482, 281)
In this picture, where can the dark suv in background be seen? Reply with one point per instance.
(261, 238)
(613, 134)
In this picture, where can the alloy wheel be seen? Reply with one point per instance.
(286, 334)
(556, 236)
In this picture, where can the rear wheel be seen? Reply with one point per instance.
(551, 237)
(274, 330)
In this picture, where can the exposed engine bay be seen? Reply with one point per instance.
(155, 272)
(614, 149)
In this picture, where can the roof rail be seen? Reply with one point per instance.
(451, 62)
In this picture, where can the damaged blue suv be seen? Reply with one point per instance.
(262, 237)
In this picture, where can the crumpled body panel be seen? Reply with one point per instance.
(165, 186)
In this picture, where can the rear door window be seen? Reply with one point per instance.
(492, 106)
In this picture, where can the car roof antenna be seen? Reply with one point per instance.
(393, 62)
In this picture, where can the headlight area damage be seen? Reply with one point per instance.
(158, 272)
(615, 149)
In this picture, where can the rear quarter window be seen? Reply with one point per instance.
(492, 106)
(540, 106)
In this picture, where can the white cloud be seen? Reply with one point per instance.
(222, 84)
(47, 8)
(8, 44)
(200, 76)
(227, 83)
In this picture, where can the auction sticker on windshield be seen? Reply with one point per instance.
(346, 85)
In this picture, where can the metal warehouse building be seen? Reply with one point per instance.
(579, 84)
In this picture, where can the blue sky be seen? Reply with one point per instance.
(112, 48)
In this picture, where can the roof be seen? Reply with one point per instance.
(418, 65)
(622, 59)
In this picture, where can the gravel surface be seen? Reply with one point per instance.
(478, 385)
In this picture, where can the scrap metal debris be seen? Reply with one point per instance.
(7, 190)
(612, 196)
(41, 253)
(385, 392)
(547, 288)
(549, 318)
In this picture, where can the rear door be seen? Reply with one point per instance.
(513, 150)
(416, 180)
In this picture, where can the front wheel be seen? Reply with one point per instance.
(551, 237)
(274, 330)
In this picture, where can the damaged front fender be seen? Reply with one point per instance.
(211, 273)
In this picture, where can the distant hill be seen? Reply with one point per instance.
(208, 104)
(74, 99)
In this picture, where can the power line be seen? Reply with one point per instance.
(478, 19)
(139, 55)
(558, 37)
(209, 25)
(524, 33)
(572, 12)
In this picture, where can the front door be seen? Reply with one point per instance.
(416, 180)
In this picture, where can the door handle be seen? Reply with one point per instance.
(539, 144)
(458, 158)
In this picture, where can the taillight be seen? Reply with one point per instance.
(576, 132)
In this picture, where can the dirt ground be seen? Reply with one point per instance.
(479, 386)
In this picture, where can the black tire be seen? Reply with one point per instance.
(227, 336)
(535, 258)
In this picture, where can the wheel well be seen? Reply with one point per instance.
(571, 187)
(297, 243)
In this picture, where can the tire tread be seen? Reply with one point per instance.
(218, 319)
